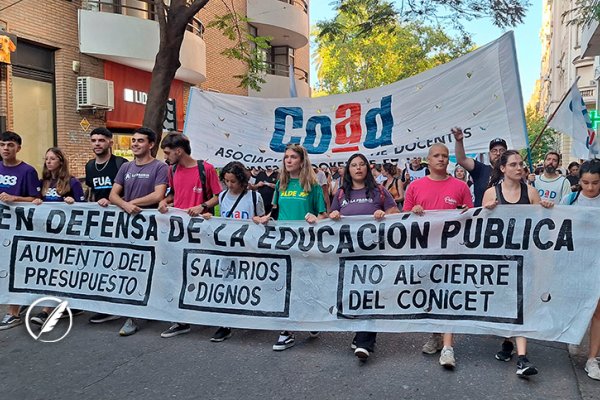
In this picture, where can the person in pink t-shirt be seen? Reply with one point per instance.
(187, 191)
(438, 191)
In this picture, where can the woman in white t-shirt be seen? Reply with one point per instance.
(236, 202)
(589, 196)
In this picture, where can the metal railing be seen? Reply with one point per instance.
(298, 3)
(120, 7)
(278, 69)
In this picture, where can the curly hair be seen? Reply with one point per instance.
(237, 169)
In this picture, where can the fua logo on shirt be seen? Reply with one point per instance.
(450, 200)
(8, 180)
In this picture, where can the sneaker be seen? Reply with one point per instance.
(285, 341)
(221, 334)
(128, 328)
(23, 310)
(507, 351)
(592, 369)
(361, 353)
(10, 321)
(175, 329)
(433, 344)
(447, 358)
(353, 345)
(101, 318)
(525, 368)
(40, 318)
(314, 334)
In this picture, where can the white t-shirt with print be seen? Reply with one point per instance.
(244, 208)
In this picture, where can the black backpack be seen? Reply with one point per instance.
(202, 173)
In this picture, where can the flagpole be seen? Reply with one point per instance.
(539, 136)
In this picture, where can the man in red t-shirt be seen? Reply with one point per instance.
(438, 191)
(187, 191)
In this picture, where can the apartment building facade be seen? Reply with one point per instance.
(70, 54)
(565, 57)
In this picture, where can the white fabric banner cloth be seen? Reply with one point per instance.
(513, 271)
(479, 91)
(572, 119)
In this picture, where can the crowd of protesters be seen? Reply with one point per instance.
(299, 191)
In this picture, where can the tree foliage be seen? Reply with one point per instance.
(353, 52)
(583, 13)
(173, 19)
(549, 140)
(502, 13)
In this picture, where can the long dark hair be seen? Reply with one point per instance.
(497, 175)
(370, 183)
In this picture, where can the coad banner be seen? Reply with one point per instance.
(513, 271)
(479, 92)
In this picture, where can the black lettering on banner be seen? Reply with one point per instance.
(236, 283)
(478, 287)
(109, 272)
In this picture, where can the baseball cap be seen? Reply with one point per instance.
(498, 142)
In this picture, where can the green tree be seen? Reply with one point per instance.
(502, 13)
(365, 46)
(173, 18)
(548, 141)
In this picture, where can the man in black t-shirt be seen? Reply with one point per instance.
(480, 172)
(100, 171)
(100, 174)
(265, 185)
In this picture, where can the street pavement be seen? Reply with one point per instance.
(93, 362)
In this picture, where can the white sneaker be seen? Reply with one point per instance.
(433, 344)
(592, 369)
(447, 358)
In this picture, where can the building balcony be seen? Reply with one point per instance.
(590, 40)
(277, 83)
(128, 34)
(588, 93)
(285, 21)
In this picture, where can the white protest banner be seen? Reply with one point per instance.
(479, 92)
(513, 271)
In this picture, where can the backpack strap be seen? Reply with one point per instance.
(222, 195)
(254, 201)
(574, 197)
(202, 174)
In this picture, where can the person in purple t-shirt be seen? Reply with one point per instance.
(58, 185)
(18, 183)
(141, 183)
(361, 195)
(57, 182)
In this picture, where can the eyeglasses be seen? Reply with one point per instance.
(498, 150)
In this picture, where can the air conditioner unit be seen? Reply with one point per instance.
(95, 93)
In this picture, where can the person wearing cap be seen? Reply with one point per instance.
(480, 172)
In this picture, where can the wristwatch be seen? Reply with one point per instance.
(204, 206)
